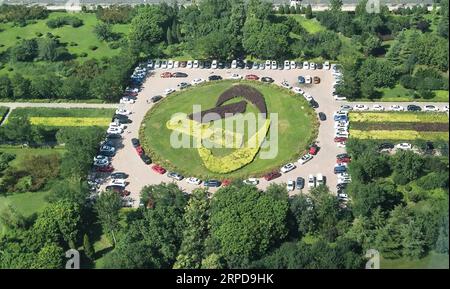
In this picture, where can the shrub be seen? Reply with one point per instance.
(38, 34)
(433, 181)
(83, 54)
(93, 47)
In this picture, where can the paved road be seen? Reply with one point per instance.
(141, 175)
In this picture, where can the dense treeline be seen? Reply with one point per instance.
(20, 14)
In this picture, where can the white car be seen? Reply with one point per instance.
(290, 186)
(304, 159)
(170, 64)
(169, 91)
(305, 65)
(262, 66)
(235, 76)
(312, 66)
(340, 124)
(164, 64)
(197, 81)
(403, 146)
(133, 90)
(214, 64)
(176, 64)
(320, 180)
(287, 65)
(193, 181)
(311, 182)
(251, 181)
(395, 107)
(114, 130)
(308, 79)
(326, 65)
(340, 98)
(118, 182)
(118, 125)
(343, 196)
(341, 113)
(445, 108)
(123, 111)
(341, 145)
(101, 158)
(430, 108)
(101, 163)
(234, 64)
(274, 65)
(308, 96)
(288, 167)
(126, 100)
(195, 64)
(343, 176)
(377, 107)
(360, 107)
(293, 65)
(341, 134)
(346, 108)
(286, 84)
(189, 64)
(268, 64)
(298, 90)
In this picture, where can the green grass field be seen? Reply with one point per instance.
(83, 36)
(399, 93)
(431, 261)
(310, 25)
(296, 129)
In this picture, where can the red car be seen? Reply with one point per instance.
(158, 169)
(140, 150)
(313, 150)
(107, 169)
(166, 75)
(251, 77)
(272, 176)
(340, 139)
(226, 183)
(343, 161)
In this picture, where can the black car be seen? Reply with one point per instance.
(413, 107)
(183, 85)
(146, 159)
(342, 156)
(319, 66)
(227, 65)
(212, 183)
(214, 77)
(267, 79)
(386, 145)
(207, 64)
(175, 176)
(119, 175)
(429, 147)
(156, 98)
(135, 142)
(221, 65)
(300, 183)
(122, 119)
(322, 116)
(240, 64)
(201, 64)
(314, 104)
(113, 136)
(341, 186)
(179, 74)
(249, 65)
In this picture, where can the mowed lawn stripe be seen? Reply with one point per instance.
(70, 121)
(399, 135)
(425, 117)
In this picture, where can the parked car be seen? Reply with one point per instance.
(272, 176)
(320, 180)
(430, 108)
(249, 64)
(139, 150)
(274, 65)
(179, 74)
(146, 159)
(214, 77)
(322, 116)
(319, 66)
(119, 175)
(170, 64)
(316, 80)
(301, 79)
(268, 64)
(306, 65)
(314, 104)
(251, 181)
(293, 64)
(308, 79)
(286, 84)
(114, 130)
(396, 108)
(340, 139)
(377, 107)
(195, 64)
(251, 77)
(214, 64)
(189, 64)
(126, 100)
(290, 186)
(135, 142)
(314, 149)
(123, 111)
(403, 146)
(158, 169)
(183, 64)
(156, 98)
(326, 65)
(413, 107)
(312, 66)
(360, 107)
(234, 64)
(300, 183)
(175, 176)
(235, 76)
(385, 146)
(166, 75)
(340, 169)
(105, 169)
(197, 81)
(169, 91)
(311, 182)
(183, 85)
(193, 181)
(304, 159)
(287, 65)
(298, 90)
(212, 184)
(267, 79)
(287, 168)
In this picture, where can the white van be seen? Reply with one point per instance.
(214, 64)
(320, 180)
(267, 64)
(234, 64)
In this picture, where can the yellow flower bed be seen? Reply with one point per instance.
(399, 134)
(70, 121)
(238, 158)
(398, 117)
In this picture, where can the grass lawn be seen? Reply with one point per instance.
(83, 36)
(59, 117)
(21, 153)
(399, 93)
(431, 261)
(26, 203)
(296, 129)
(311, 25)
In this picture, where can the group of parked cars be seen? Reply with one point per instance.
(337, 74)
(237, 64)
(396, 107)
(341, 126)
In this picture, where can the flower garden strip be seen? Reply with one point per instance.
(425, 117)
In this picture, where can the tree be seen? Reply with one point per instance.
(308, 12)
(371, 45)
(21, 86)
(11, 218)
(246, 223)
(89, 250)
(18, 129)
(169, 38)
(442, 241)
(412, 241)
(408, 166)
(196, 218)
(48, 49)
(336, 5)
(104, 32)
(107, 207)
(304, 213)
(51, 256)
(6, 89)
